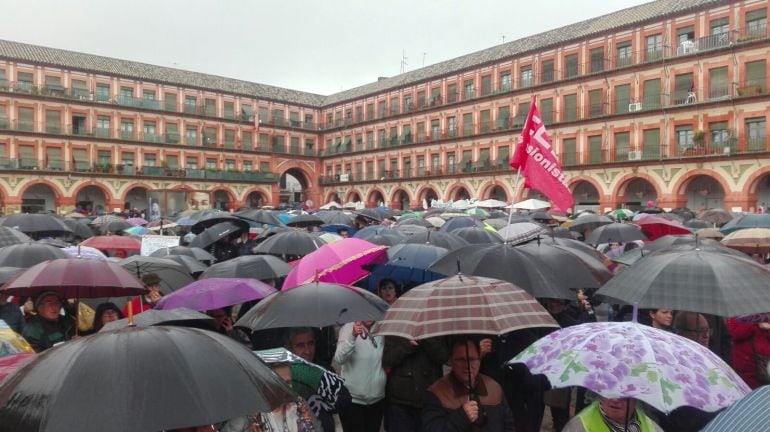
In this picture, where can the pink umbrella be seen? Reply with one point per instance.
(11, 363)
(215, 293)
(136, 221)
(340, 262)
(656, 227)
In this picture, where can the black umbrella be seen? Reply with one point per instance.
(179, 317)
(114, 226)
(376, 214)
(215, 219)
(615, 233)
(683, 212)
(10, 236)
(444, 240)
(26, 255)
(697, 224)
(371, 230)
(37, 224)
(461, 222)
(334, 217)
(317, 304)
(589, 221)
(195, 252)
(305, 220)
(692, 279)
(260, 267)
(410, 230)
(215, 233)
(79, 229)
(259, 215)
(172, 274)
(7, 273)
(61, 244)
(190, 264)
(383, 240)
(139, 379)
(476, 235)
(414, 221)
(296, 243)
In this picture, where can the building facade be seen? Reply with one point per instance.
(664, 102)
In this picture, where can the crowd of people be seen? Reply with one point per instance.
(438, 384)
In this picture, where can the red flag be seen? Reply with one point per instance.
(535, 157)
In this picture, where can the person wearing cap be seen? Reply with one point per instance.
(147, 301)
(48, 327)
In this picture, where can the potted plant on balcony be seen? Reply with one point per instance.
(699, 139)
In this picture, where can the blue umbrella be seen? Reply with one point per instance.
(137, 230)
(186, 221)
(749, 220)
(284, 217)
(335, 228)
(749, 414)
(407, 264)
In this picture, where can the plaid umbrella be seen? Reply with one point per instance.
(463, 305)
(751, 240)
(717, 217)
(695, 280)
(10, 236)
(521, 232)
(615, 233)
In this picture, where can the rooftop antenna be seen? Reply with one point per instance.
(403, 60)
(503, 38)
(423, 59)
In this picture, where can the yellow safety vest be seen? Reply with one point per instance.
(593, 422)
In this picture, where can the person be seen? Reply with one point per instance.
(558, 400)
(105, 312)
(11, 314)
(147, 301)
(412, 367)
(223, 320)
(387, 291)
(661, 318)
(48, 327)
(359, 358)
(750, 340)
(693, 326)
(610, 415)
(464, 399)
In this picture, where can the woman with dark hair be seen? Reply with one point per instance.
(105, 312)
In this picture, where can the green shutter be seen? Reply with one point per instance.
(652, 94)
(651, 144)
(570, 107)
(622, 98)
(569, 152)
(622, 146)
(756, 73)
(546, 110)
(595, 149)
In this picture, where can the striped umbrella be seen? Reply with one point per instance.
(463, 305)
(750, 240)
(749, 414)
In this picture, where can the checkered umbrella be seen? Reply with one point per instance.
(521, 232)
(463, 305)
(10, 236)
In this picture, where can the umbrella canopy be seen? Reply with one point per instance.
(695, 224)
(137, 230)
(113, 243)
(190, 264)
(78, 228)
(716, 217)
(7, 273)
(305, 220)
(307, 379)
(174, 376)
(522, 232)
(10, 236)
(615, 233)
(161, 222)
(340, 262)
(215, 233)
(749, 414)
(407, 265)
(13, 362)
(215, 293)
(622, 214)
(26, 255)
(259, 215)
(683, 212)
(296, 243)
(172, 275)
(409, 230)
(655, 227)
(317, 304)
(195, 252)
(709, 233)
(262, 267)
(695, 280)
(212, 220)
(461, 222)
(36, 224)
(137, 221)
(478, 212)
(748, 220)
(532, 205)
(749, 240)
(84, 252)
(446, 240)
(414, 221)
(476, 235)
(335, 218)
(113, 226)
(491, 203)
(631, 360)
(372, 230)
(177, 317)
(75, 278)
(463, 305)
(588, 221)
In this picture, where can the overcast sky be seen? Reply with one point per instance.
(320, 46)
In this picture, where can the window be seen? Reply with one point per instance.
(718, 85)
(526, 76)
(435, 163)
(623, 54)
(104, 157)
(720, 26)
(486, 121)
(209, 137)
(172, 133)
(755, 134)
(654, 48)
(651, 143)
(103, 126)
(468, 90)
(53, 158)
(127, 129)
(622, 98)
(190, 104)
(191, 162)
(211, 163)
(684, 89)
(247, 140)
(595, 149)
(150, 160)
(394, 106)
(264, 115)
(450, 161)
(150, 131)
(102, 92)
(248, 166)
(546, 110)
(191, 135)
(278, 116)
(622, 146)
(370, 140)
(467, 124)
(570, 108)
(569, 152)
(382, 109)
(27, 157)
(505, 81)
(451, 93)
(80, 89)
(651, 94)
(169, 101)
(52, 122)
(521, 114)
(25, 81)
(421, 99)
(370, 111)
(756, 23)
(755, 78)
(3, 117)
(571, 66)
(719, 135)
(407, 164)
(264, 167)
(406, 134)
(547, 74)
(229, 138)
(684, 136)
(486, 85)
(210, 107)
(127, 92)
(229, 110)
(264, 142)
(451, 125)
(279, 144)
(148, 94)
(503, 117)
(421, 132)
(595, 103)
(359, 113)
(597, 60)
(80, 159)
(408, 106)
(685, 34)
(230, 164)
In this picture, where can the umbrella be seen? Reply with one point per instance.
(631, 360)
(195, 252)
(478, 212)
(588, 221)
(190, 264)
(13, 362)
(749, 220)
(409, 230)
(749, 414)
(259, 215)
(165, 223)
(683, 212)
(672, 217)
(136, 221)
(317, 304)
(336, 228)
(26, 255)
(262, 267)
(436, 221)
(101, 220)
(335, 218)
(7, 273)
(749, 240)
(377, 214)
(461, 222)
(215, 293)
(615, 233)
(74, 215)
(84, 252)
(414, 221)
(217, 219)
(499, 224)
(463, 305)
(716, 217)
(491, 203)
(532, 205)
(113, 243)
(10, 236)
(174, 376)
(695, 280)
(172, 275)
(407, 264)
(622, 214)
(11, 342)
(48, 241)
(178, 317)
(446, 240)
(709, 233)
(655, 227)
(184, 222)
(113, 226)
(341, 262)
(75, 278)
(137, 230)
(215, 233)
(522, 232)
(476, 235)
(371, 230)
(297, 243)
(697, 224)
(78, 228)
(37, 224)
(305, 220)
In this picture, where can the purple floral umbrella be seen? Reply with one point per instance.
(631, 360)
(215, 293)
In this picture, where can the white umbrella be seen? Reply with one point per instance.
(491, 203)
(331, 205)
(532, 204)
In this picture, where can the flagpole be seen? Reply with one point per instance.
(515, 184)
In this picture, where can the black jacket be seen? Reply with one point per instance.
(411, 370)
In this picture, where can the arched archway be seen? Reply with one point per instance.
(497, 192)
(586, 196)
(222, 199)
(332, 197)
(401, 199)
(460, 193)
(37, 198)
(92, 199)
(375, 198)
(255, 199)
(293, 186)
(353, 196)
(427, 195)
(636, 193)
(703, 192)
(137, 198)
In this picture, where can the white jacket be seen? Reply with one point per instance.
(359, 362)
